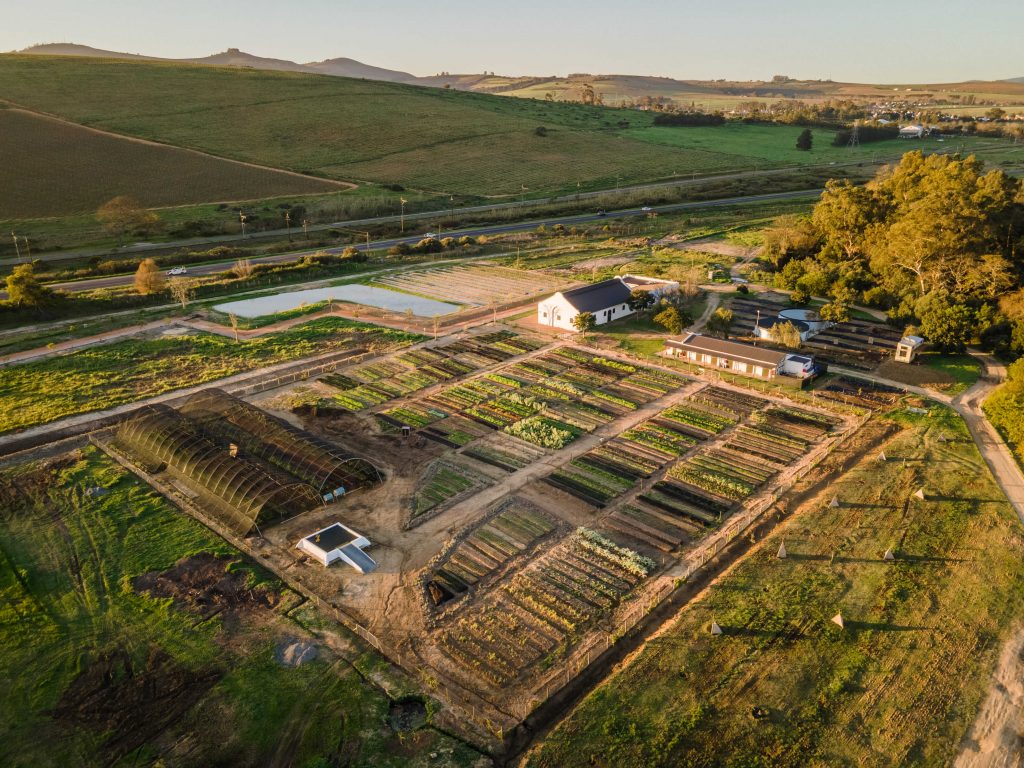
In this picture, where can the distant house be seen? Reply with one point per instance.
(912, 132)
(338, 542)
(607, 301)
(744, 359)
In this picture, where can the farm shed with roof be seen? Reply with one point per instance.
(607, 300)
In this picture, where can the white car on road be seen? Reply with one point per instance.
(176, 271)
(430, 234)
(647, 209)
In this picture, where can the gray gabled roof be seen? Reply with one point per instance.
(592, 298)
(732, 350)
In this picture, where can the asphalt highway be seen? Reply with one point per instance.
(115, 281)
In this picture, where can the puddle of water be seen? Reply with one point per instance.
(357, 294)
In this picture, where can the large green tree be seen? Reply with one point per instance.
(25, 290)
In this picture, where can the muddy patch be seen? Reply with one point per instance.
(407, 715)
(133, 702)
(21, 488)
(202, 584)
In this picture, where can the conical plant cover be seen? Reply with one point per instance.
(888, 555)
(919, 494)
(838, 621)
(834, 503)
(782, 551)
(715, 629)
(881, 456)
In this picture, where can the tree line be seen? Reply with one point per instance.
(936, 241)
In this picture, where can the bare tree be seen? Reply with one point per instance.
(183, 290)
(243, 269)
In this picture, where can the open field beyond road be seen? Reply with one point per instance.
(899, 686)
(357, 130)
(57, 168)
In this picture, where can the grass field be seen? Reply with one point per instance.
(899, 686)
(433, 139)
(92, 168)
(121, 372)
(98, 672)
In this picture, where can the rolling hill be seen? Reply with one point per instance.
(615, 89)
(432, 140)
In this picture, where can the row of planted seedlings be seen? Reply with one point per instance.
(534, 618)
(708, 484)
(547, 401)
(416, 369)
(482, 553)
(618, 466)
(444, 483)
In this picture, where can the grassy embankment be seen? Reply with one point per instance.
(186, 687)
(122, 372)
(899, 686)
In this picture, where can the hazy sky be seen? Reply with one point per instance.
(859, 40)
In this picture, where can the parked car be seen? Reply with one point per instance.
(430, 234)
(647, 209)
(175, 271)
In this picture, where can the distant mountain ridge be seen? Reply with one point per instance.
(613, 88)
(233, 57)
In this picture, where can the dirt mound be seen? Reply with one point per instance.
(295, 653)
(133, 703)
(202, 583)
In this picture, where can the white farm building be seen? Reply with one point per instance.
(606, 301)
(338, 542)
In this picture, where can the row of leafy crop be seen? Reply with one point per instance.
(612, 469)
(442, 483)
(378, 382)
(543, 609)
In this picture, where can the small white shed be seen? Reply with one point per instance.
(907, 348)
(338, 542)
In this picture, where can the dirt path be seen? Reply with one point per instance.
(713, 301)
(994, 740)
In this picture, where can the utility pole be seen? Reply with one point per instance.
(242, 217)
(288, 224)
(17, 249)
(305, 228)
(451, 211)
(28, 249)
(402, 201)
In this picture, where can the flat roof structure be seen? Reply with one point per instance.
(338, 542)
